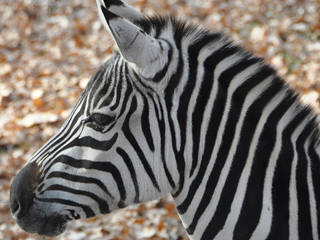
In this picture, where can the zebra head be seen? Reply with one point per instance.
(110, 151)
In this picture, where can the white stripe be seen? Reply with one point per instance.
(214, 46)
(91, 187)
(313, 206)
(80, 199)
(264, 225)
(251, 96)
(178, 92)
(202, 57)
(222, 66)
(227, 232)
(293, 201)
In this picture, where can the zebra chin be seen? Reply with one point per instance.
(50, 226)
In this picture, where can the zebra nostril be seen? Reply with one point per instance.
(15, 207)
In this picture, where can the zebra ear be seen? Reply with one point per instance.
(136, 46)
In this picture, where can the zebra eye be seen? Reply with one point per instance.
(98, 121)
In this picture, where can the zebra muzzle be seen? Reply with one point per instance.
(26, 211)
(22, 190)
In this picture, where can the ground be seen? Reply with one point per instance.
(50, 48)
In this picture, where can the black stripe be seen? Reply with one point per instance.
(103, 205)
(79, 179)
(103, 83)
(169, 91)
(145, 121)
(203, 96)
(108, 15)
(162, 130)
(161, 123)
(110, 3)
(59, 145)
(161, 73)
(85, 141)
(101, 166)
(304, 216)
(155, 99)
(133, 175)
(95, 84)
(214, 122)
(119, 88)
(224, 80)
(128, 92)
(145, 124)
(108, 99)
(315, 168)
(93, 143)
(88, 211)
(281, 182)
(113, 82)
(127, 132)
(250, 122)
(253, 200)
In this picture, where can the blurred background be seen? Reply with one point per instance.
(50, 48)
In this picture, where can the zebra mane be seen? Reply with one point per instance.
(181, 27)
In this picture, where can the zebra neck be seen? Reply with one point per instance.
(246, 149)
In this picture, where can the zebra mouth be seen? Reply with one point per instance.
(53, 226)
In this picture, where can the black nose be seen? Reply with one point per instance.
(22, 189)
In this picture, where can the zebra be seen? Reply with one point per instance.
(179, 109)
